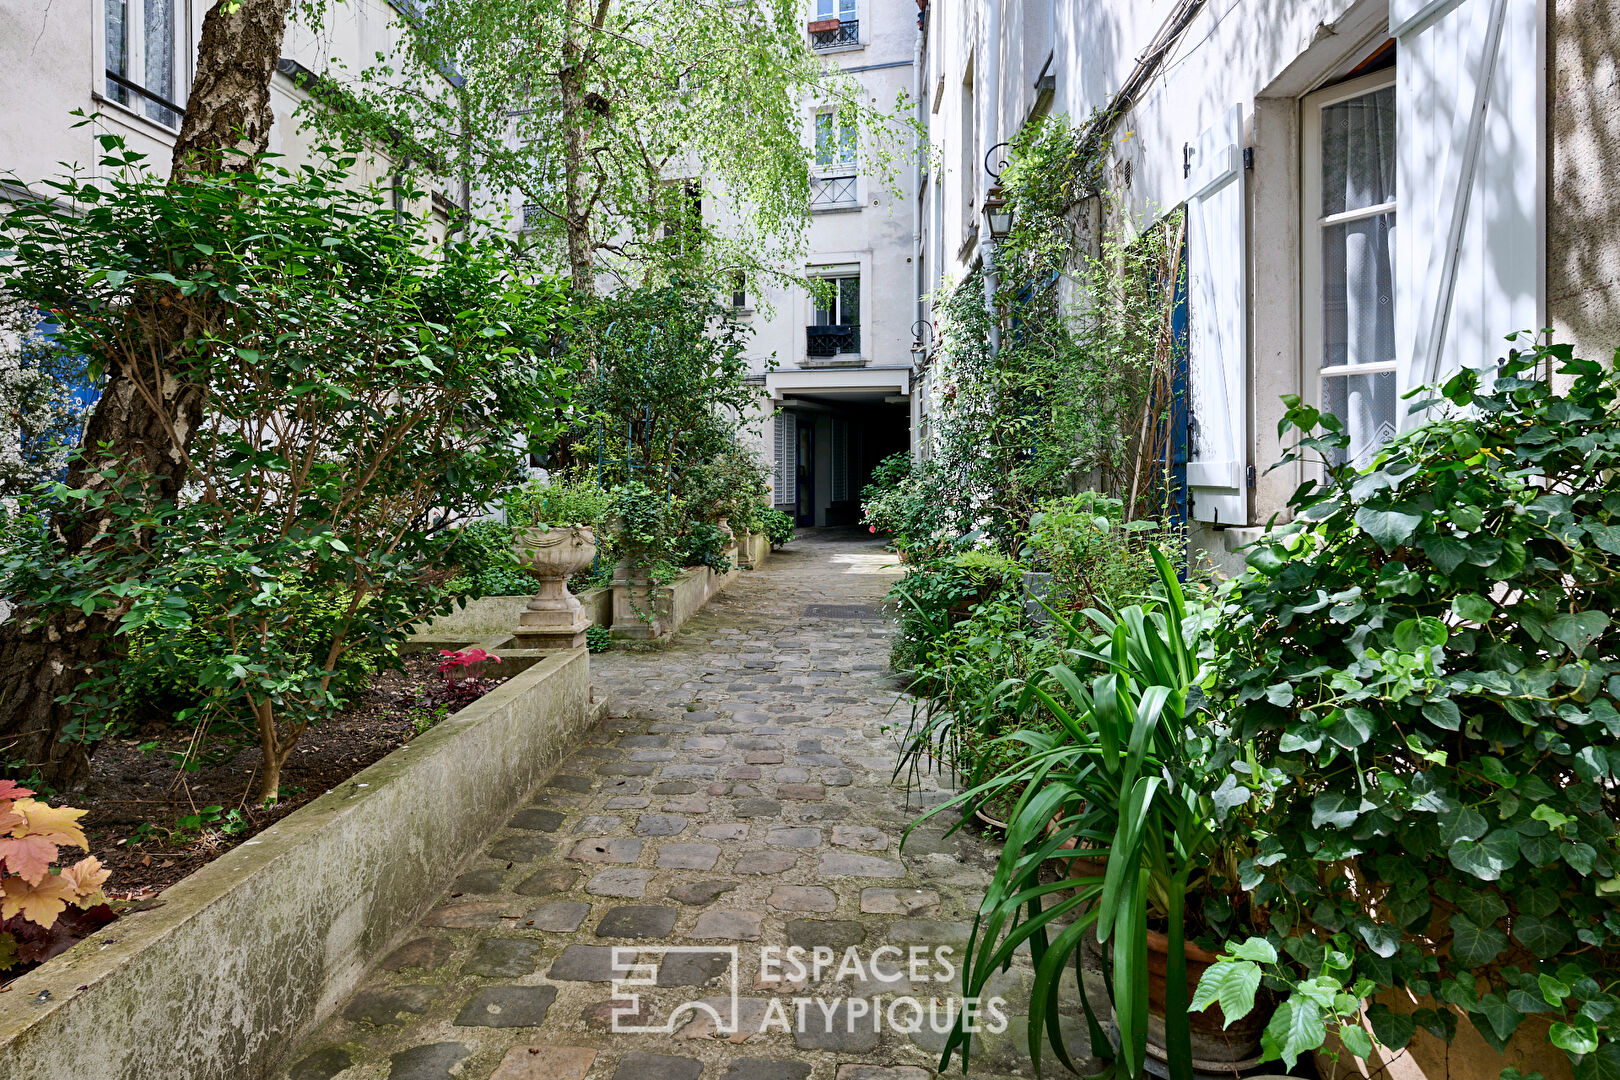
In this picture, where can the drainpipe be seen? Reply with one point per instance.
(918, 276)
(990, 127)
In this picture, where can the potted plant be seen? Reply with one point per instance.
(1116, 775)
(553, 536)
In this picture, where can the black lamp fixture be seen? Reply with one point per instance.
(998, 214)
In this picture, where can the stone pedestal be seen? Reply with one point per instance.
(636, 609)
(553, 619)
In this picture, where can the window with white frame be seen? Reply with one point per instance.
(835, 321)
(1349, 206)
(835, 9)
(835, 141)
(145, 50)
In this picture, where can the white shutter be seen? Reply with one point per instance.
(1217, 287)
(1467, 240)
(787, 463)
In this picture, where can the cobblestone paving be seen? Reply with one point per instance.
(741, 799)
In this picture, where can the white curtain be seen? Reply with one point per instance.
(160, 49)
(1358, 172)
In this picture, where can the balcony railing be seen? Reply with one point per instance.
(845, 33)
(829, 191)
(828, 341)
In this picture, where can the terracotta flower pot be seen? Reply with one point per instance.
(1212, 1047)
(553, 618)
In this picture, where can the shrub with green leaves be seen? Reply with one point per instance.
(1427, 666)
(484, 563)
(360, 382)
(569, 498)
(1096, 558)
(778, 525)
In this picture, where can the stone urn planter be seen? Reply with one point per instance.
(553, 619)
(729, 548)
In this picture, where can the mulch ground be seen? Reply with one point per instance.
(135, 798)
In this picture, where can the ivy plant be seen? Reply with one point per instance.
(1427, 662)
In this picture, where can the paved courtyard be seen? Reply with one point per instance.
(741, 804)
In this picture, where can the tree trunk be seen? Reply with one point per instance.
(45, 656)
(572, 93)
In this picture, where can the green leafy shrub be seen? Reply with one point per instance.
(598, 638)
(778, 525)
(1428, 665)
(938, 594)
(362, 379)
(1096, 558)
(912, 508)
(730, 485)
(568, 498)
(701, 543)
(484, 564)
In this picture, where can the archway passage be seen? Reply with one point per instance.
(838, 439)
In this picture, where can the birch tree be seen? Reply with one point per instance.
(636, 136)
(151, 400)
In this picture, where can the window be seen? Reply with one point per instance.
(144, 50)
(682, 227)
(835, 25)
(842, 306)
(739, 291)
(835, 326)
(1349, 267)
(835, 141)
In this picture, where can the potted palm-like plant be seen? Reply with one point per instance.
(554, 537)
(1122, 783)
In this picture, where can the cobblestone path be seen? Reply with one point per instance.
(741, 799)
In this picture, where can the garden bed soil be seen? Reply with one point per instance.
(138, 798)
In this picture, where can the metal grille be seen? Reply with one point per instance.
(846, 33)
(825, 341)
(828, 191)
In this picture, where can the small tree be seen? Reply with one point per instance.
(364, 390)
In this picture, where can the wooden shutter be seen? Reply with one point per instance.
(1217, 289)
(787, 460)
(1467, 238)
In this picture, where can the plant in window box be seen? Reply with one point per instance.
(1428, 662)
(554, 538)
(1132, 770)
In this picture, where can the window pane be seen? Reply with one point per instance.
(117, 49)
(1358, 152)
(846, 144)
(824, 138)
(846, 9)
(849, 301)
(825, 9)
(1366, 404)
(1358, 292)
(159, 74)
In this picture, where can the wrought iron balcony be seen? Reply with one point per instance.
(830, 191)
(844, 34)
(829, 341)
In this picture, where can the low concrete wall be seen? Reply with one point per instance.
(233, 966)
(672, 604)
(753, 549)
(491, 616)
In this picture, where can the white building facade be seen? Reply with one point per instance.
(1377, 192)
(131, 62)
(838, 398)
